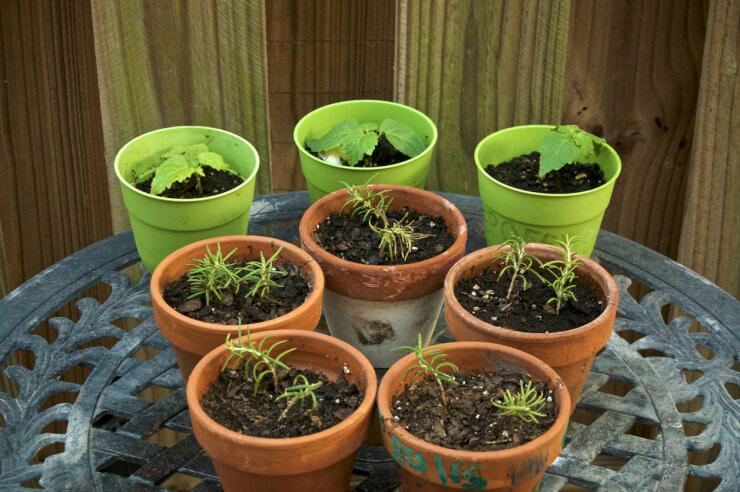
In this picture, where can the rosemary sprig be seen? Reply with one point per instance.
(261, 273)
(435, 366)
(213, 274)
(563, 273)
(262, 361)
(525, 403)
(519, 263)
(299, 391)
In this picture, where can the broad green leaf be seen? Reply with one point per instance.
(175, 169)
(190, 152)
(402, 137)
(359, 145)
(341, 133)
(369, 126)
(566, 144)
(214, 161)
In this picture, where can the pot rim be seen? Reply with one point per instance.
(301, 145)
(247, 179)
(561, 392)
(597, 272)
(460, 228)
(513, 129)
(311, 266)
(344, 350)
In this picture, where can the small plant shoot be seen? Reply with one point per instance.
(563, 274)
(435, 366)
(519, 263)
(261, 274)
(182, 163)
(526, 403)
(261, 359)
(301, 390)
(566, 144)
(397, 238)
(368, 203)
(349, 140)
(213, 275)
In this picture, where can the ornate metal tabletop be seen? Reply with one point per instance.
(662, 375)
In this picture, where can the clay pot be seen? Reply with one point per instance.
(192, 339)
(320, 461)
(430, 467)
(571, 353)
(379, 307)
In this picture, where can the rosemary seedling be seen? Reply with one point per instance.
(526, 403)
(397, 238)
(435, 367)
(262, 361)
(519, 263)
(213, 274)
(368, 203)
(563, 273)
(299, 391)
(261, 274)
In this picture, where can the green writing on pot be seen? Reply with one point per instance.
(404, 455)
(470, 480)
(505, 228)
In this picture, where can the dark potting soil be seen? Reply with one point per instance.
(469, 421)
(213, 183)
(484, 296)
(231, 402)
(521, 172)
(384, 154)
(349, 237)
(235, 306)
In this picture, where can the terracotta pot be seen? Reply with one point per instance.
(429, 467)
(379, 307)
(571, 353)
(321, 461)
(192, 339)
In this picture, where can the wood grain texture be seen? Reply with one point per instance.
(168, 62)
(475, 67)
(632, 76)
(319, 52)
(710, 232)
(50, 137)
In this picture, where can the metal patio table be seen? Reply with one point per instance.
(108, 445)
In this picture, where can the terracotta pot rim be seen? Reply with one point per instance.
(561, 392)
(213, 427)
(317, 286)
(597, 271)
(459, 226)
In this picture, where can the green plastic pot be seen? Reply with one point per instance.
(539, 217)
(323, 178)
(162, 225)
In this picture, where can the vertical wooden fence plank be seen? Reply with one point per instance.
(475, 67)
(711, 232)
(318, 52)
(632, 75)
(168, 62)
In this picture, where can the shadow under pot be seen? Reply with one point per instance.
(322, 460)
(195, 325)
(470, 440)
(379, 307)
(475, 300)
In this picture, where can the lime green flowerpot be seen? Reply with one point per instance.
(539, 217)
(162, 225)
(323, 178)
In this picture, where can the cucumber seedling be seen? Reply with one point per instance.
(299, 391)
(213, 275)
(257, 356)
(526, 403)
(563, 274)
(433, 366)
(566, 144)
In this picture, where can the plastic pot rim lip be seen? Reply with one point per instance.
(482, 171)
(561, 421)
(247, 180)
(316, 289)
(302, 150)
(357, 268)
(452, 303)
(216, 429)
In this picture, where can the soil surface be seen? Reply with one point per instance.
(214, 182)
(349, 237)
(469, 421)
(484, 296)
(521, 172)
(384, 154)
(231, 402)
(234, 306)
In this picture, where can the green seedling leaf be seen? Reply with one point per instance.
(340, 133)
(566, 144)
(369, 127)
(189, 152)
(360, 144)
(214, 161)
(402, 137)
(175, 169)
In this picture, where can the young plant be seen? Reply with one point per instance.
(519, 263)
(263, 362)
(213, 274)
(182, 163)
(350, 141)
(368, 203)
(435, 367)
(563, 274)
(299, 391)
(260, 273)
(525, 403)
(397, 238)
(566, 144)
